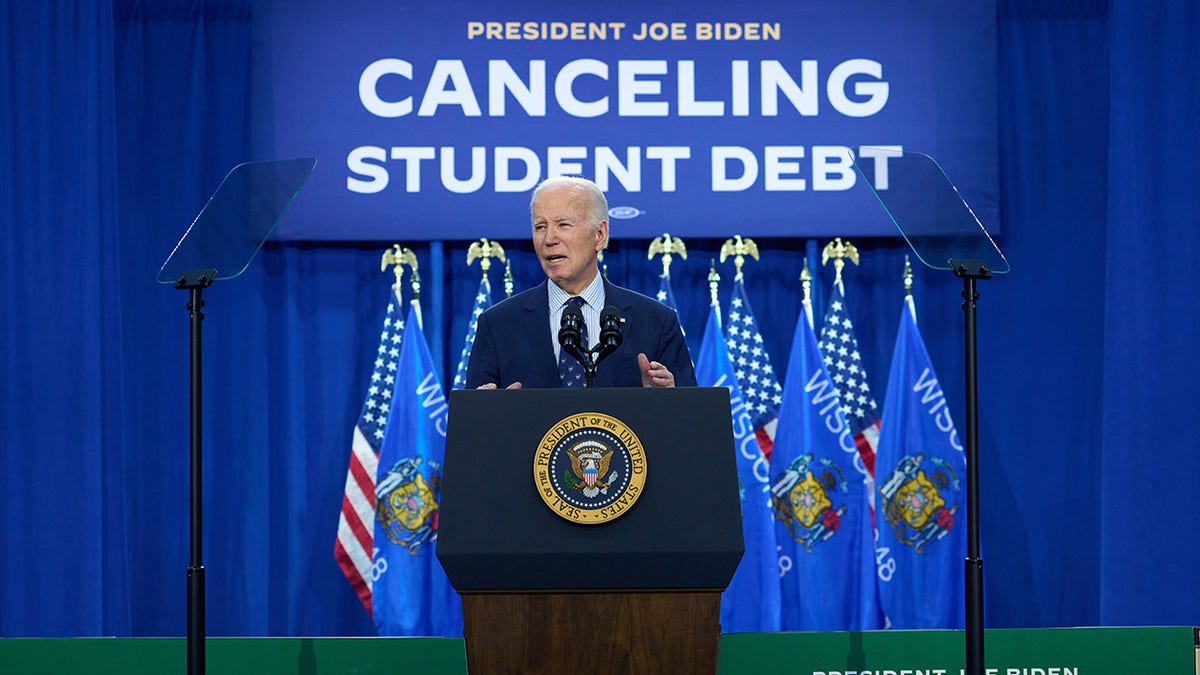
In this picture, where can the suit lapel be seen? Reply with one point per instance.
(536, 323)
(623, 301)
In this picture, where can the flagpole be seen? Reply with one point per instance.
(970, 271)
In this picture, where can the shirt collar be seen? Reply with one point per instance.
(593, 295)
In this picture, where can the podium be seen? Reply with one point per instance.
(637, 588)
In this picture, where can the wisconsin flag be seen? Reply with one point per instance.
(751, 602)
(822, 520)
(920, 468)
(411, 595)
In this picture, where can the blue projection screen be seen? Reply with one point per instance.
(434, 120)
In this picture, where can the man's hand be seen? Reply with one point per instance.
(492, 385)
(654, 374)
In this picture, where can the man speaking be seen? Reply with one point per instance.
(519, 342)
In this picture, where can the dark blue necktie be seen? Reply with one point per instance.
(570, 370)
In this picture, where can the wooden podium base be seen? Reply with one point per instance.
(649, 632)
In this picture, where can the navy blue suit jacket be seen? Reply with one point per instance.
(512, 342)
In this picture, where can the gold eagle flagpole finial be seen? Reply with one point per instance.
(713, 280)
(839, 251)
(391, 257)
(508, 278)
(407, 258)
(739, 248)
(666, 246)
(484, 250)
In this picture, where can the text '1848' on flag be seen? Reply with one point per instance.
(823, 522)
(411, 594)
(750, 604)
(920, 469)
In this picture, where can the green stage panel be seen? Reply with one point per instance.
(233, 656)
(1056, 651)
(1052, 651)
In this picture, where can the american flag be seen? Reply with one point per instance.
(354, 546)
(755, 375)
(483, 300)
(664, 294)
(844, 362)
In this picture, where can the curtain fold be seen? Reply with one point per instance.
(63, 465)
(1150, 368)
(1041, 326)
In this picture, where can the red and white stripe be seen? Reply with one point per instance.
(765, 435)
(354, 546)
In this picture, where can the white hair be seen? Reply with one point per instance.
(597, 204)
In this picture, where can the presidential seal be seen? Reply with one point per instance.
(589, 468)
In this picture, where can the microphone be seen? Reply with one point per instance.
(570, 333)
(610, 328)
(610, 332)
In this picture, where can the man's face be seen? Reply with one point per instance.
(564, 238)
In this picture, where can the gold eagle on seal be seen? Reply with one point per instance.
(589, 462)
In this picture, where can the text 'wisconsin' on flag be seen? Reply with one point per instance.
(411, 594)
(750, 604)
(920, 468)
(823, 523)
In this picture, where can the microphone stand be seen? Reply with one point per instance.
(593, 358)
(586, 358)
(589, 368)
(589, 359)
(610, 339)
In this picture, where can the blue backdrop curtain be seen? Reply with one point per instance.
(1150, 369)
(119, 119)
(64, 444)
(1042, 325)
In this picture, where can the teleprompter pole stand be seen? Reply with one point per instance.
(195, 281)
(971, 271)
